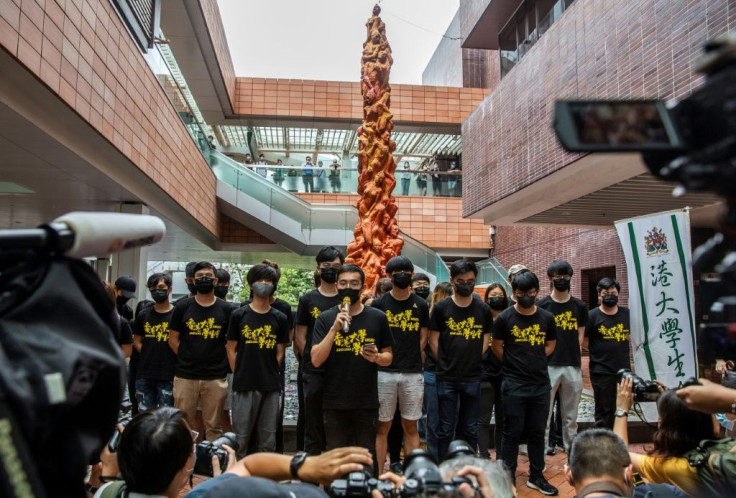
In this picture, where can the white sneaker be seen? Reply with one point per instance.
(522, 449)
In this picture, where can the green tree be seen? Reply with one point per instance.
(293, 284)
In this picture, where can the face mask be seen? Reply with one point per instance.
(497, 302)
(561, 285)
(422, 292)
(262, 289)
(526, 301)
(121, 300)
(609, 300)
(402, 280)
(159, 295)
(221, 291)
(204, 284)
(464, 290)
(192, 288)
(328, 275)
(353, 294)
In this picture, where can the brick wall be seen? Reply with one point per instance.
(621, 49)
(82, 52)
(480, 68)
(434, 221)
(213, 20)
(469, 13)
(233, 232)
(268, 97)
(537, 247)
(445, 67)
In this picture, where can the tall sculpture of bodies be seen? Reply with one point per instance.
(376, 236)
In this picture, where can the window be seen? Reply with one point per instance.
(141, 17)
(525, 27)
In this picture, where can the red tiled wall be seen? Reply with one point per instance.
(213, 19)
(537, 247)
(434, 221)
(233, 232)
(598, 49)
(82, 52)
(339, 99)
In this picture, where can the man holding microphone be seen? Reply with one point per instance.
(350, 342)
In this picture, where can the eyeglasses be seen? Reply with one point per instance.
(609, 293)
(324, 266)
(561, 277)
(464, 282)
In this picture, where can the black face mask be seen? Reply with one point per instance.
(262, 289)
(609, 300)
(221, 291)
(464, 290)
(561, 285)
(121, 300)
(328, 275)
(401, 280)
(353, 294)
(497, 302)
(159, 295)
(422, 292)
(204, 284)
(526, 301)
(192, 288)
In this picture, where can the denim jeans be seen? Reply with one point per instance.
(431, 403)
(459, 403)
(154, 393)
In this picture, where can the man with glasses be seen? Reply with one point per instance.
(350, 343)
(608, 341)
(408, 319)
(523, 337)
(460, 328)
(565, 375)
(311, 305)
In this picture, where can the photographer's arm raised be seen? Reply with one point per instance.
(624, 400)
(708, 397)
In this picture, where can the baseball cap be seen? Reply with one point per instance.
(258, 487)
(516, 269)
(126, 286)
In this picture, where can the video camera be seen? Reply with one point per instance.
(693, 143)
(423, 477)
(206, 449)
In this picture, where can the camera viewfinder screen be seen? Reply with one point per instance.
(611, 124)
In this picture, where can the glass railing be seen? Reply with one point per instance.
(490, 270)
(282, 203)
(345, 180)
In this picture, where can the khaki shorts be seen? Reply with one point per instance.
(408, 388)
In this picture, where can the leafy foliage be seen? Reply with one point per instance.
(293, 284)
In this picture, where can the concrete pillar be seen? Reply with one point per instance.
(132, 262)
(102, 268)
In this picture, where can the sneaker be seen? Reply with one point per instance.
(522, 449)
(550, 450)
(561, 448)
(396, 468)
(541, 485)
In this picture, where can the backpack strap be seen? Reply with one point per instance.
(700, 456)
(117, 489)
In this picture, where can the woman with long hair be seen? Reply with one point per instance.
(441, 291)
(490, 380)
(680, 429)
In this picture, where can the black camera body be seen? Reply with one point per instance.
(644, 390)
(206, 449)
(360, 483)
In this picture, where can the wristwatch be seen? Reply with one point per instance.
(621, 413)
(296, 463)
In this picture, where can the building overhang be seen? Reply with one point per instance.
(484, 33)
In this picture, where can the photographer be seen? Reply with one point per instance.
(680, 430)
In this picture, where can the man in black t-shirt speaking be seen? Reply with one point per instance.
(460, 328)
(350, 342)
(197, 336)
(523, 337)
(256, 342)
(156, 363)
(402, 380)
(565, 375)
(608, 333)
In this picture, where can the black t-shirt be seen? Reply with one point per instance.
(126, 333)
(280, 305)
(524, 336)
(202, 332)
(351, 381)
(569, 316)
(405, 319)
(311, 305)
(461, 338)
(490, 366)
(608, 341)
(157, 361)
(256, 366)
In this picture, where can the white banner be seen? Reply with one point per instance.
(658, 257)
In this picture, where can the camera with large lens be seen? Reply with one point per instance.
(644, 390)
(360, 483)
(206, 449)
(423, 476)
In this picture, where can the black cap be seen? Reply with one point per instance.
(258, 487)
(127, 286)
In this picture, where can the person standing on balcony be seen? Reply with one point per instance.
(335, 182)
(422, 180)
(278, 173)
(405, 179)
(261, 168)
(320, 174)
(436, 179)
(308, 175)
(452, 181)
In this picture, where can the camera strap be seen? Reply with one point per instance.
(18, 476)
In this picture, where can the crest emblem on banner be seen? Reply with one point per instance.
(656, 242)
